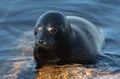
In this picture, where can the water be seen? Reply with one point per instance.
(17, 20)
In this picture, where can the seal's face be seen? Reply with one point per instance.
(49, 29)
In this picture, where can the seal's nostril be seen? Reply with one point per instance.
(41, 41)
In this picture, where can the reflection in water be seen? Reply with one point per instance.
(74, 71)
(22, 62)
(17, 20)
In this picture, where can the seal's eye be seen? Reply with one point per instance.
(37, 30)
(52, 30)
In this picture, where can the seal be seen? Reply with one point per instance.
(64, 39)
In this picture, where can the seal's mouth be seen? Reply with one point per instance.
(41, 46)
(45, 47)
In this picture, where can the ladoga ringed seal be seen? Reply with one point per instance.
(65, 39)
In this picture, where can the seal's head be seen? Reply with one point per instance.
(50, 28)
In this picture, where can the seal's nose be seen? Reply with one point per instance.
(42, 42)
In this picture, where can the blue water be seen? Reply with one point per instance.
(17, 21)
